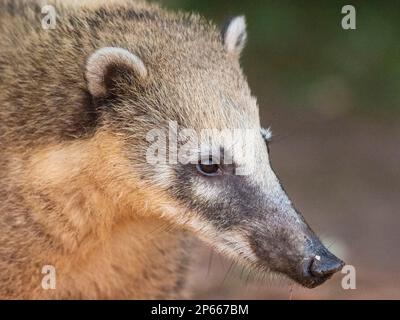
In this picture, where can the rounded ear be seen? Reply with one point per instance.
(234, 35)
(107, 67)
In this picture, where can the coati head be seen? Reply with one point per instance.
(188, 76)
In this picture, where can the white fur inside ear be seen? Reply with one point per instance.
(100, 60)
(235, 35)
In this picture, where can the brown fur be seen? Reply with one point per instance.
(80, 223)
(76, 191)
(67, 197)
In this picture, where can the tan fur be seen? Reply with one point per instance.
(76, 192)
(91, 234)
(76, 189)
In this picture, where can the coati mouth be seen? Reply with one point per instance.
(310, 267)
(314, 271)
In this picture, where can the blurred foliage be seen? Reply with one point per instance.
(298, 55)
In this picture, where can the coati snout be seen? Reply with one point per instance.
(248, 216)
(81, 108)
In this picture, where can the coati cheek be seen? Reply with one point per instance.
(233, 243)
(206, 192)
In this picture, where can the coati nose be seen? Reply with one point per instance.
(324, 265)
(318, 265)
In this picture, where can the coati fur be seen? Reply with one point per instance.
(76, 192)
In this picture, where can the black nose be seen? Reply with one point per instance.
(324, 265)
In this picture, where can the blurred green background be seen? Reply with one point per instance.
(296, 48)
(332, 99)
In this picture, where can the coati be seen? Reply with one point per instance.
(76, 191)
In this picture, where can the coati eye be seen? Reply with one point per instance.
(208, 167)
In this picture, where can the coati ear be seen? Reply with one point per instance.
(108, 67)
(234, 35)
